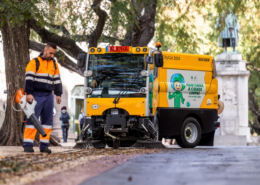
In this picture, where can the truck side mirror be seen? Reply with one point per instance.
(158, 59)
(148, 59)
(81, 60)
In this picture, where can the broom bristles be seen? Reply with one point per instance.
(148, 144)
(89, 145)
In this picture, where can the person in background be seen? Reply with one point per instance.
(81, 120)
(64, 117)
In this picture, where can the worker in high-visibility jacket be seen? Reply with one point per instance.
(42, 77)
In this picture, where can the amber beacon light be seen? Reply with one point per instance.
(158, 45)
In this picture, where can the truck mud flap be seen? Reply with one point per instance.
(207, 139)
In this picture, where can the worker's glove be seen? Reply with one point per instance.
(30, 98)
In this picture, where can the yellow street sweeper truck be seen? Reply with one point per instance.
(135, 96)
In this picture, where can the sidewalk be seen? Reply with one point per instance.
(64, 166)
(68, 145)
(14, 150)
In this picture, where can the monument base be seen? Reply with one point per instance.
(232, 78)
(255, 141)
(245, 131)
(230, 140)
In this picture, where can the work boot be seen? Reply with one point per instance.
(29, 150)
(46, 150)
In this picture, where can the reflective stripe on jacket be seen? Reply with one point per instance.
(46, 79)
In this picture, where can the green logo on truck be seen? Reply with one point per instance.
(178, 84)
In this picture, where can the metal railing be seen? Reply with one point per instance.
(2, 117)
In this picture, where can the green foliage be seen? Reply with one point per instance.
(17, 11)
(182, 26)
(80, 18)
(189, 26)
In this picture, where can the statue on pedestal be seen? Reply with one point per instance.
(232, 75)
(229, 36)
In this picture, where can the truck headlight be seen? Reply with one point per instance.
(88, 90)
(143, 90)
(144, 73)
(88, 73)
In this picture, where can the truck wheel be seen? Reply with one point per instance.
(179, 142)
(190, 133)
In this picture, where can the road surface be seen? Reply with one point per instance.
(198, 166)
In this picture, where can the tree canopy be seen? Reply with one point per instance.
(190, 27)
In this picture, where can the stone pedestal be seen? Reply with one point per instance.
(233, 90)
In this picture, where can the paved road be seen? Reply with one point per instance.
(216, 165)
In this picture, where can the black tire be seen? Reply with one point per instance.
(116, 143)
(190, 133)
(179, 142)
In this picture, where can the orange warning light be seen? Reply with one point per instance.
(158, 44)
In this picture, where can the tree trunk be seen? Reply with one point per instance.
(148, 34)
(16, 53)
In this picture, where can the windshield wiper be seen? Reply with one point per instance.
(135, 77)
(123, 92)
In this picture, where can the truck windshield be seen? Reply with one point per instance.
(114, 72)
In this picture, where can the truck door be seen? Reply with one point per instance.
(155, 89)
(151, 79)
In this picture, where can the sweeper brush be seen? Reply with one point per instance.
(89, 144)
(148, 144)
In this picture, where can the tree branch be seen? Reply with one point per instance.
(61, 41)
(102, 16)
(147, 34)
(85, 38)
(134, 34)
(253, 106)
(60, 27)
(255, 127)
(254, 68)
(62, 59)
